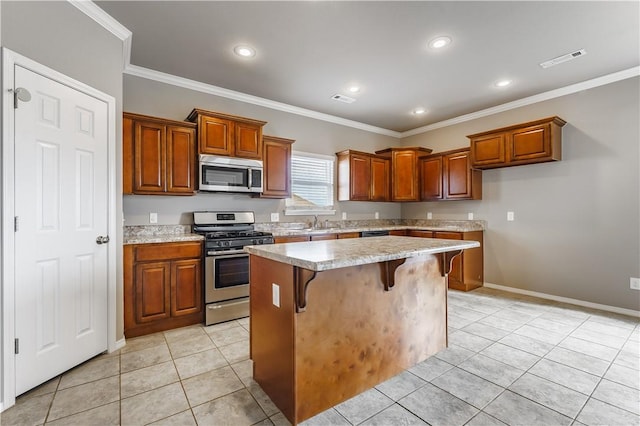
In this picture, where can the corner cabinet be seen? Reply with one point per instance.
(277, 167)
(162, 287)
(449, 176)
(159, 156)
(362, 176)
(467, 269)
(528, 143)
(405, 173)
(228, 135)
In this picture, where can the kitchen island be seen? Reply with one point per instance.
(331, 319)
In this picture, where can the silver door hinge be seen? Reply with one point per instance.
(16, 224)
(17, 346)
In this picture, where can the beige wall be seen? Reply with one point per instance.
(163, 100)
(576, 232)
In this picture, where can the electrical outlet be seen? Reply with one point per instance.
(429, 215)
(275, 217)
(634, 283)
(344, 215)
(153, 217)
(376, 215)
(511, 216)
(470, 216)
(275, 293)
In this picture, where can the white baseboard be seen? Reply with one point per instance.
(120, 344)
(607, 308)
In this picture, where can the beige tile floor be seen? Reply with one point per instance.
(511, 360)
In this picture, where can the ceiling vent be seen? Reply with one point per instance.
(563, 58)
(343, 98)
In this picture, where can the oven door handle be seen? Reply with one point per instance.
(229, 256)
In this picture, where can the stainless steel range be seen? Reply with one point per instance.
(226, 267)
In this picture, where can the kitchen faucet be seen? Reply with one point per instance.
(315, 222)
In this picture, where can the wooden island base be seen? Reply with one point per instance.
(351, 335)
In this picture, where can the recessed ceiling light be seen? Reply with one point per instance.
(244, 51)
(440, 42)
(354, 89)
(502, 83)
(419, 111)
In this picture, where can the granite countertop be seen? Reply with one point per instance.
(149, 234)
(284, 229)
(333, 254)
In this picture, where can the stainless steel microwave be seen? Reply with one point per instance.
(230, 174)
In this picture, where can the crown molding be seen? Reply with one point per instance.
(94, 12)
(254, 100)
(545, 96)
(116, 28)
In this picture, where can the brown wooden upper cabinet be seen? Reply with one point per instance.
(277, 167)
(380, 178)
(449, 176)
(362, 176)
(230, 135)
(533, 142)
(159, 156)
(405, 173)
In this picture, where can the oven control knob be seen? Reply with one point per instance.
(226, 243)
(260, 241)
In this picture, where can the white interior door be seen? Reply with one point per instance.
(62, 206)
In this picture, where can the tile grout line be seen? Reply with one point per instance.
(603, 378)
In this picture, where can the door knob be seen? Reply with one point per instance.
(102, 240)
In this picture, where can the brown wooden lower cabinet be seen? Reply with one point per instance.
(467, 269)
(290, 239)
(162, 287)
(316, 237)
(399, 232)
(321, 237)
(344, 235)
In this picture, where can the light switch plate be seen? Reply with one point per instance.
(429, 215)
(511, 216)
(634, 283)
(376, 215)
(153, 217)
(470, 216)
(344, 215)
(275, 293)
(275, 217)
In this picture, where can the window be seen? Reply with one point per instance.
(311, 184)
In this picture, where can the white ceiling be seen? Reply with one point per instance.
(308, 51)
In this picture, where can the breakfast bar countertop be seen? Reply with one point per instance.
(333, 254)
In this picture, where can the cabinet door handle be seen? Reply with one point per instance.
(102, 240)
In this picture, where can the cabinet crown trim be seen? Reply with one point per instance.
(278, 139)
(443, 153)
(193, 117)
(165, 121)
(555, 119)
(419, 149)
